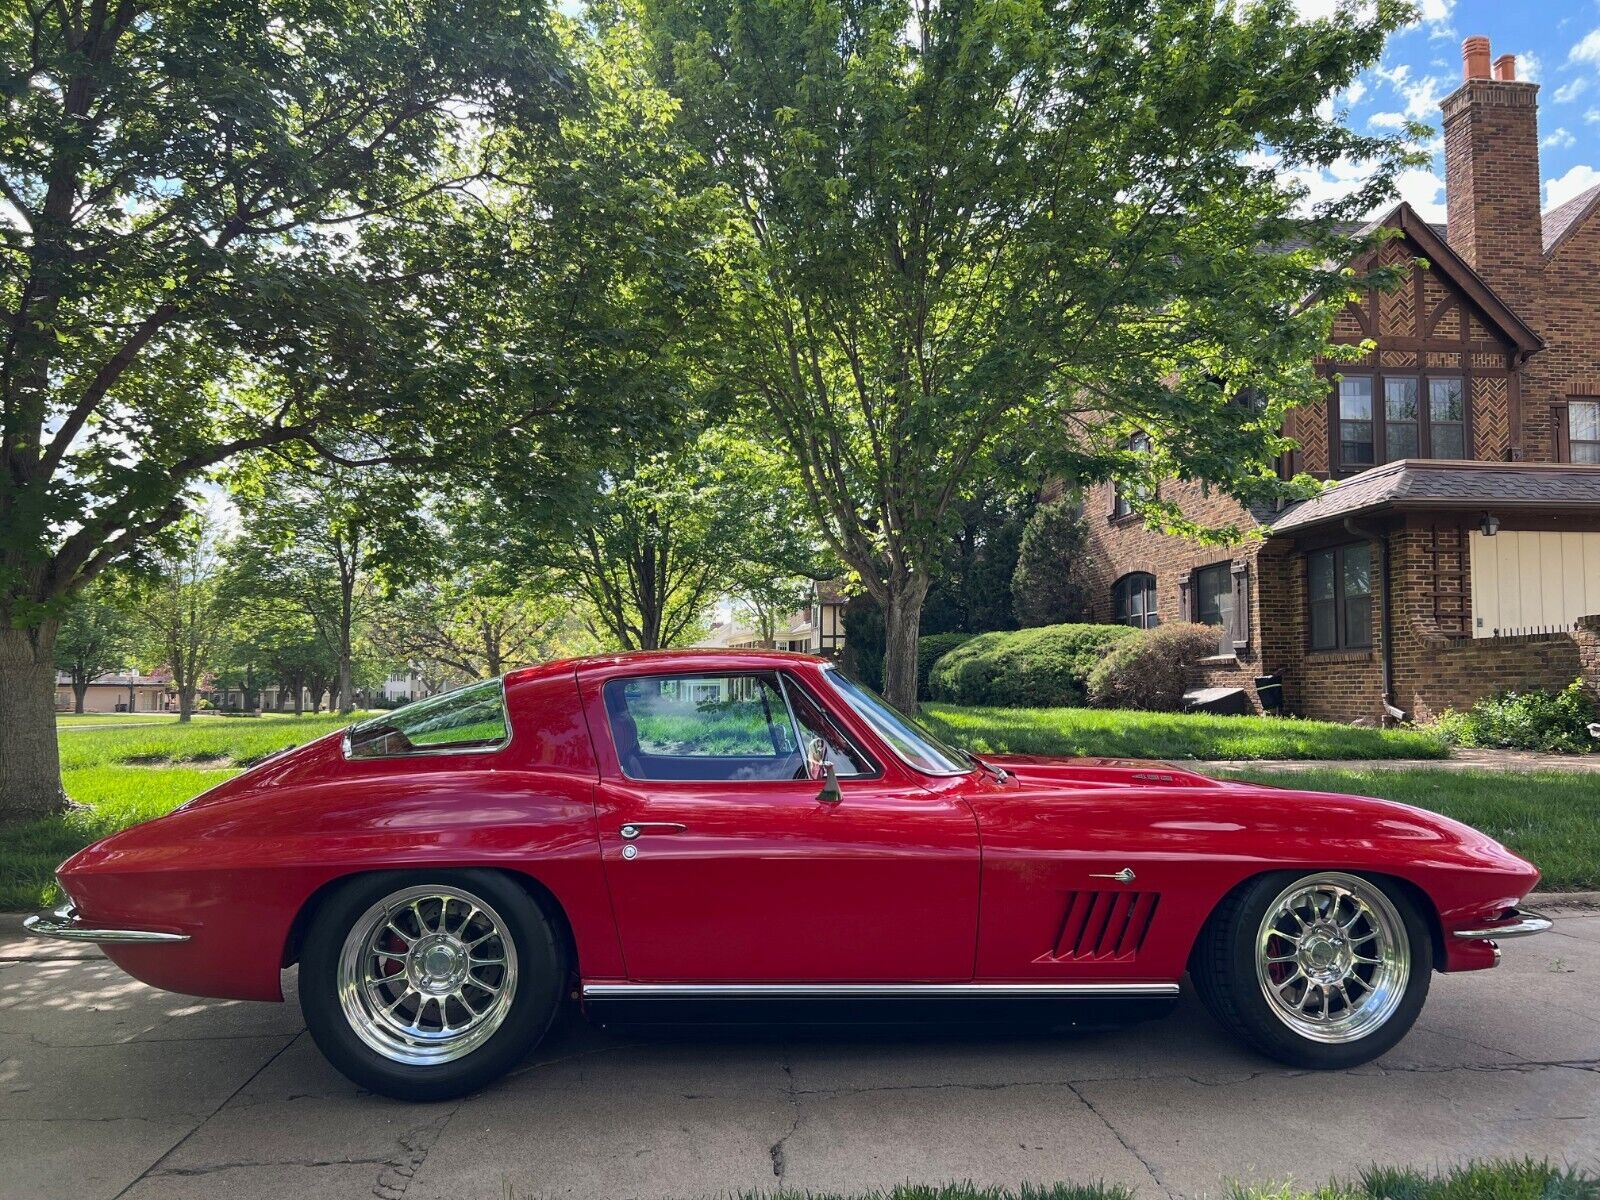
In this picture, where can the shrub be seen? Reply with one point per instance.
(1044, 587)
(930, 649)
(1044, 667)
(1531, 720)
(1152, 672)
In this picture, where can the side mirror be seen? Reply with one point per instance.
(830, 793)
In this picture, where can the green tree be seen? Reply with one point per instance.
(470, 625)
(314, 541)
(1045, 589)
(183, 187)
(974, 224)
(99, 634)
(188, 619)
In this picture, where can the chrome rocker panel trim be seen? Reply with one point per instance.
(64, 924)
(1527, 926)
(909, 991)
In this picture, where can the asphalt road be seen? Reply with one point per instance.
(110, 1089)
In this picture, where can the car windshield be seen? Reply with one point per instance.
(919, 748)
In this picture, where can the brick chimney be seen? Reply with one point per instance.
(1491, 157)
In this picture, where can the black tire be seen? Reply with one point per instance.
(535, 996)
(1223, 968)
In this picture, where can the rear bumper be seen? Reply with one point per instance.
(66, 925)
(1513, 925)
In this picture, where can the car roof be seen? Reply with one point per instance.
(696, 658)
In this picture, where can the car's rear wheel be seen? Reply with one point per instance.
(1322, 970)
(429, 985)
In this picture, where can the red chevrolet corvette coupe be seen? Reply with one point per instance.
(686, 835)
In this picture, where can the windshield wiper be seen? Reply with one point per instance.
(999, 773)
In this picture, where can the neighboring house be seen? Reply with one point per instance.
(402, 687)
(125, 691)
(1460, 546)
(818, 628)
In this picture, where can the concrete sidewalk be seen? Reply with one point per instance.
(1462, 758)
(109, 1089)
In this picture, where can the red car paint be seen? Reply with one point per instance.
(911, 878)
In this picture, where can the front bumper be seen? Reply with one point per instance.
(65, 924)
(1514, 924)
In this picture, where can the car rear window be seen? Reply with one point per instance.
(469, 718)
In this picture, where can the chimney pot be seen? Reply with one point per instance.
(1505, 67)
(1475, 58)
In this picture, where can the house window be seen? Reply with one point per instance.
(1339, 586)
(1583, 431)
(1123, 496)
(1403, 429)
(1420, 417)
(1447, 419)
(1133, 600)
(1355, 421)
(1213, 594)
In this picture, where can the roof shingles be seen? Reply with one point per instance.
(1422, 484)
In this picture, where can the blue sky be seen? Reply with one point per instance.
(1557, 44)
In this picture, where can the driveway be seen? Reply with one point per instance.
(110, 1089)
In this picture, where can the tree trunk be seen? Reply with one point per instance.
(185, 703)
(346, 691)
(80, 692)
(901, 617)
(30, 779)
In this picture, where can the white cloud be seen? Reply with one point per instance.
(1434, 11)
(1592, 117)
(1424, 191)
(1396, 74)
(1387, 120)
(1422, 98)
(1528, 66)
(1587, 50)
(1569, 92)
(1580, 179)
(1558, 139)
(1355, 92)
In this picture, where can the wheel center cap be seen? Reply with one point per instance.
(437, 965)
(1324, 956)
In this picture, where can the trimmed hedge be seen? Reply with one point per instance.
(1151, 672)
(1026, 668)
(930, 649)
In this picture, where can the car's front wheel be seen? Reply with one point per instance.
(427, 986)
(1322, 970)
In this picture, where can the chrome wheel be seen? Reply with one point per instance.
(427, 974)
(1332, 957)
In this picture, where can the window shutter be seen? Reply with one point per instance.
(1186, 598)
(1241, 605)
(1558, 418)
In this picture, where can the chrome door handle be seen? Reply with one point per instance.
(1125, 875)
(634, 829)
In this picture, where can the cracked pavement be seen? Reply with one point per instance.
(111, 1089)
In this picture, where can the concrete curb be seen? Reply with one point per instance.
(1564, 900)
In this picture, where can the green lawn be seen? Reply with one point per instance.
(1494, 1180)
(73, 720)
(1551, 818)
(1120, 734)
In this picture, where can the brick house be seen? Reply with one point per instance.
(1459, 549)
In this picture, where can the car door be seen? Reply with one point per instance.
(726, 865)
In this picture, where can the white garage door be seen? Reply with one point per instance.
(1531, 582)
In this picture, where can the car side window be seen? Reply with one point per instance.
(703, 727)
(467, 719)
(818, 729)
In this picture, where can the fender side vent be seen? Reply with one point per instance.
(1103, 926)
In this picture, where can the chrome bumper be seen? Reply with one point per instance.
(65, 924)
(1519, 924)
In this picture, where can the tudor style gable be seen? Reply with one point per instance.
(1441, 383)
